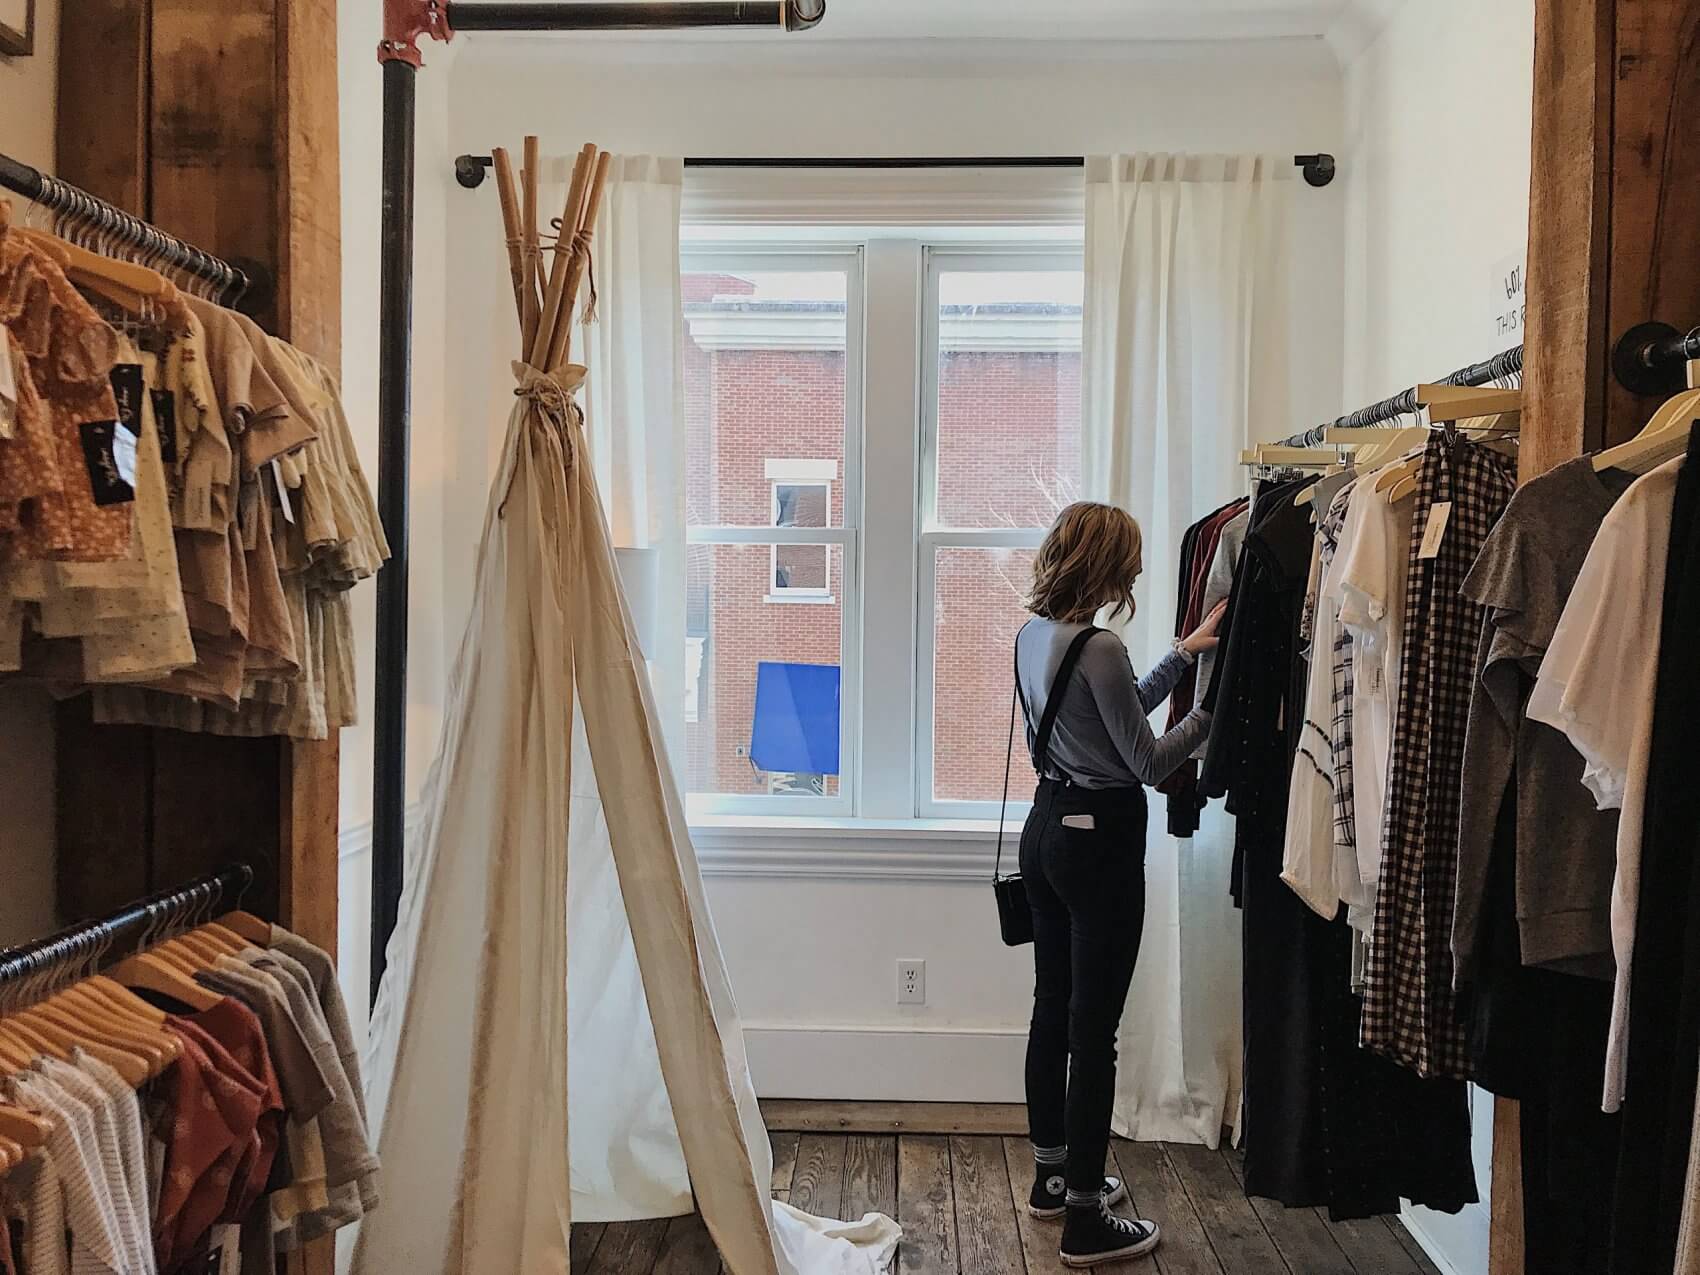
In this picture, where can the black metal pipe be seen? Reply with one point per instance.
(616, 16)
(119, 934)
(395, 386)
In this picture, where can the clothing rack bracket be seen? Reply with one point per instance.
(1650, 358)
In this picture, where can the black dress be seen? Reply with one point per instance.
(1326, 1123)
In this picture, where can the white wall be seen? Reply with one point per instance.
(1436, 173)
(28, 98)
(813, 960)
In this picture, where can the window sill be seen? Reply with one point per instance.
(802, 599)
(802, 847)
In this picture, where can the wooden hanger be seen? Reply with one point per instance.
(1665, 435)
(23, 1127)
(62, 1043)
(14, 1054)
(94, 1019)
(246, 925)
(1465, 402)
(149, 970)
(123, 282)
(11, 1155)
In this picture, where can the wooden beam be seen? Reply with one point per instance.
(102, 137)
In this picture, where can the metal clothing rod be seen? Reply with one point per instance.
(112, 222)
(1504, 364)
(35, 969)
(794, 16)
(470, 170)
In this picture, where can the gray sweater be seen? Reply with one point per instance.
(1102, 737)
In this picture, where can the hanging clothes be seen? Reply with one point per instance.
(1662, 1064)
(1531, 938)
(1198, 555)
(1410, 1008)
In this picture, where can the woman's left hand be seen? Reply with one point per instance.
(1204, 638)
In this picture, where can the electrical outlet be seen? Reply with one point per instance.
(911, 982)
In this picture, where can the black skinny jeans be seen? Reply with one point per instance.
(1086, 888)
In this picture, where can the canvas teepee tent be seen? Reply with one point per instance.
(517, 1071)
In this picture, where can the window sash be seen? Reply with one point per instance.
(848, 260)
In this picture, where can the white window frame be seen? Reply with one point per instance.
(848, 258)
(933, 536)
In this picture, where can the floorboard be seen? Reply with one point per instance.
(1372, 1247)
(1408, 1242)
(1301, 1235)
(810, 1116)
(988, 1239)
(629, 1248)
(1235, 1231)
(925, 1207)
(870, 1176)
(1158, 1195)
(818, 1187)
(687, 1249)
(784, 1163)
(586, 1236)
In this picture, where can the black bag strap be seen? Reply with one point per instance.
(1047, 723)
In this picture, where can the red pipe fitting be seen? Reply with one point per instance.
(405, 21)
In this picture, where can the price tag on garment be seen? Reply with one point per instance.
(165, 424)
(1439, 515)
(109, 454)
(282, 493)
(126, 381)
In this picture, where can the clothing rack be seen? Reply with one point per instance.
(113, 223)
(1647, 359)
(1505, 364)
(34, 970)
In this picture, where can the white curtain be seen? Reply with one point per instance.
(1184, 339)
(635, 410)
(555, 1037)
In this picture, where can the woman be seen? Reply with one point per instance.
(1083, 857)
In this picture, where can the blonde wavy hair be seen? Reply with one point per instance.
(1089, 560)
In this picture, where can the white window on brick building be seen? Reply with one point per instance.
(880, 432)
(802, 497)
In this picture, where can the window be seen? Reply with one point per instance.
(802, 497)
(849, 630)
(772, 394)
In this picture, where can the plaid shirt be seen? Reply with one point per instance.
(1410, 1013)
(1340, 728)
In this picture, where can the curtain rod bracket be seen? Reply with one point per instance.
(404, 22)
(1318, 169)
(470, 170)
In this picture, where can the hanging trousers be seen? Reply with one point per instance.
(1664, 1003)
(1086, 888)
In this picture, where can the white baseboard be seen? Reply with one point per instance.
(887, 1064)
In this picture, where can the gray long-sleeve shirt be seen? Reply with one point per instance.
(1103, 736)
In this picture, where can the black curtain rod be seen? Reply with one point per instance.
(233, 282)
(470, 170)
(35, 967)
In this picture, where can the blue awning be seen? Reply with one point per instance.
(796, 719)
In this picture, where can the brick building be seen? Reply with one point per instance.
(764, 402)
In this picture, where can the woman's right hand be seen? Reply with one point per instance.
(1204, 638)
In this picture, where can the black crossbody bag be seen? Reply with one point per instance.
(1015, 918)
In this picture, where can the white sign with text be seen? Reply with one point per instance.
(1509, 278)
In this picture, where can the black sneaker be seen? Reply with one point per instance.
(1049, 1200)
(1093, 1236)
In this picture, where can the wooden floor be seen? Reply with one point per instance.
(961, 1200)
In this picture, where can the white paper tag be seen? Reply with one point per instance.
(1439, 515)
(1086, 822)
(8, 381)
(283, 493)
(124, 454)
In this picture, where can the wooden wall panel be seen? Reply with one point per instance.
(103, 136)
